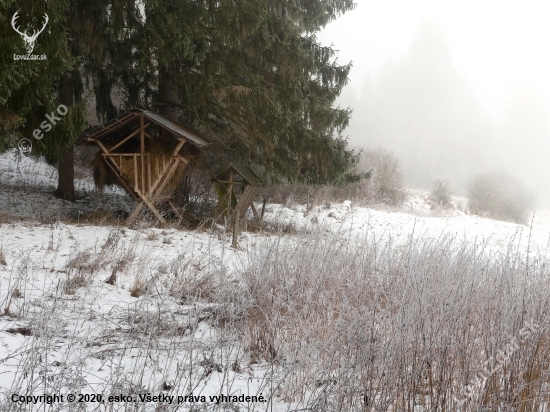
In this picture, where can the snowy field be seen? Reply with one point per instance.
(179, 315)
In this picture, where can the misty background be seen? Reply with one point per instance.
(450, 109)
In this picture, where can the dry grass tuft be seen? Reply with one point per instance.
(85, 262)
(139, 287)
(6, 218)
(194, 286)
(76, 282)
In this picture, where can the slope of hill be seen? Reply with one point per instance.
(109, 310)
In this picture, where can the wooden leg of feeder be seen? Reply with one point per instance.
(136, 178)
(263, 209)
(116, 169)
(142, 150)
(254, 211)
(135, 213)
(148, 173)
(236, 230)
(156, 190)
(174, 209)
(152, 207)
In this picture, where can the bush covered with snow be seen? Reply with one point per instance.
(384, 185)
(386, 182)
(440, 193)
(500, 196)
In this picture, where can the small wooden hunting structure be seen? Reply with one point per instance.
(236, 187)
(144, 153)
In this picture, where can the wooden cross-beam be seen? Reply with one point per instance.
(155, 190)
(140, 130)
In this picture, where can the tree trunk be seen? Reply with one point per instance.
(168, 99)
(65, 182)
(168, 95)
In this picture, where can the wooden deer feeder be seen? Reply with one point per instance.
(144, 153)
(236, 187)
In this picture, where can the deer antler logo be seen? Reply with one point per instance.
(30, 41)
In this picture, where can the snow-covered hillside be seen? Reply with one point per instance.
(90, 309)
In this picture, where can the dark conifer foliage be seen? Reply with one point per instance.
(251, 75)
(27, 87)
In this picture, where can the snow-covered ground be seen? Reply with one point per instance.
(65, 330)
(27, 186)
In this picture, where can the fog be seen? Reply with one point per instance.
(452, 89)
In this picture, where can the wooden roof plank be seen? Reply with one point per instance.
(131, 121)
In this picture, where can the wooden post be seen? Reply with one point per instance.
(263, 209)
(254, 211)
(136, 182)
(135, 213)
(229, 193)
(148, 172)
(142, 149)
(307, 205)
(235, 230)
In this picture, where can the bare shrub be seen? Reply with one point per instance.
(274, 227)
(125, 259)
(441, 193)
(500, 196)
(386, 183)
(287, 194)
(376, 327)
(80, 268)
(2, 259)
(6, 217)
(383, 184)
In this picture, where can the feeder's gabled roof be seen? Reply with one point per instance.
(123, 125)
(246, 173)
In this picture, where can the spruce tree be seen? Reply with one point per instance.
(72, 42)
(26, 86)
(251, 75)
